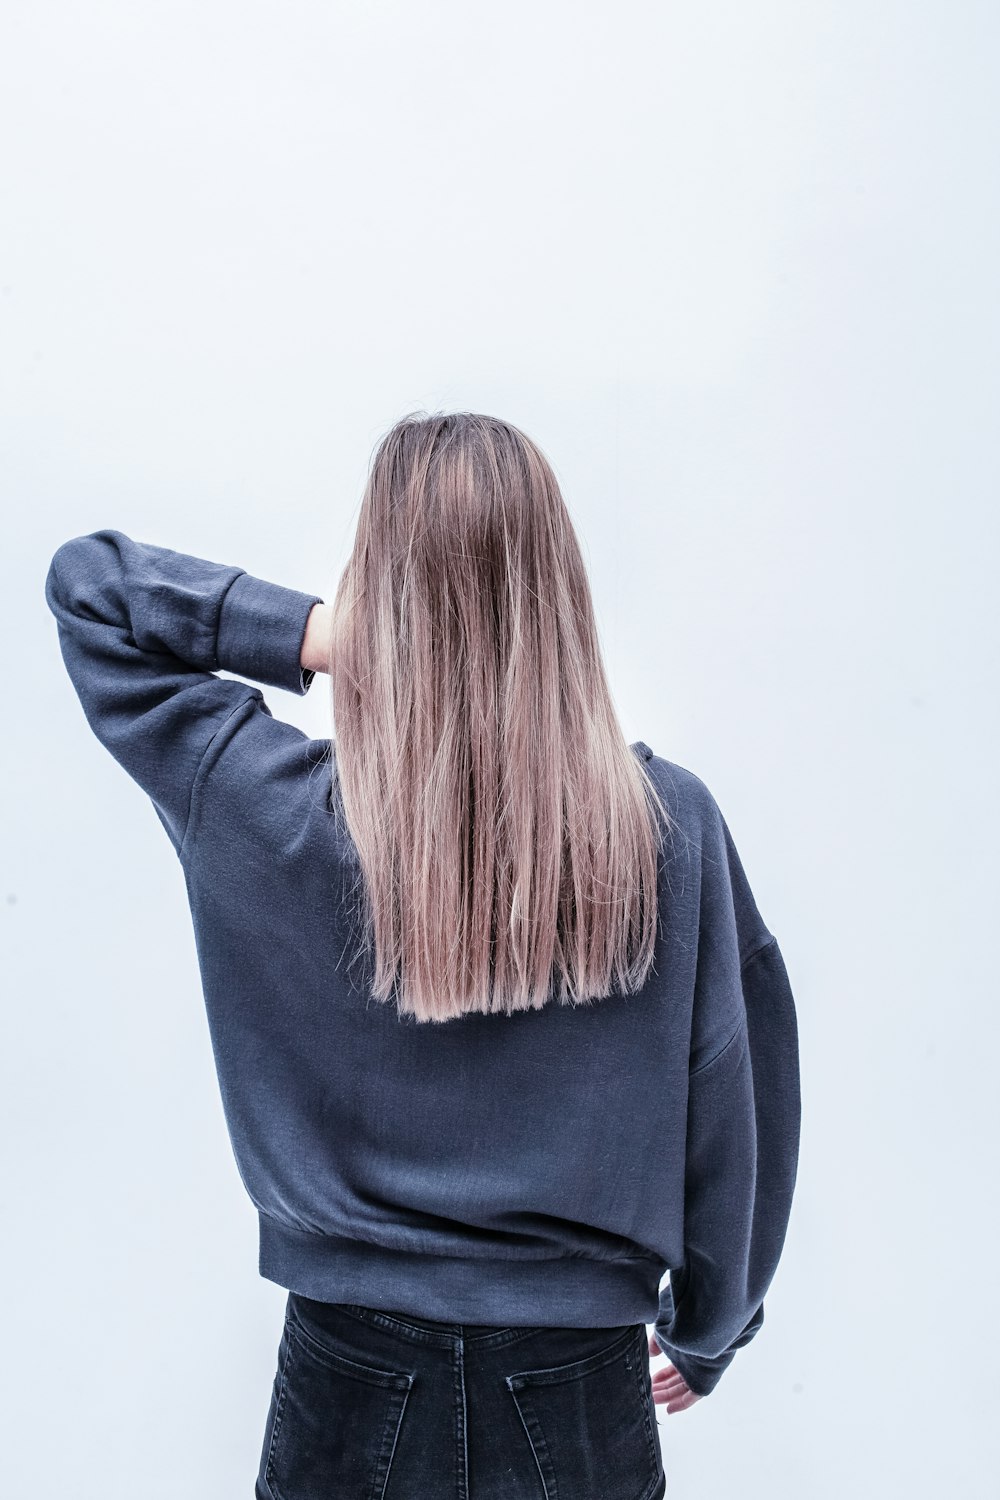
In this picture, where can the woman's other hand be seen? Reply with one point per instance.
(670, 1389)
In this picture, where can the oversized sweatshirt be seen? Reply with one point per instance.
(546, 1168)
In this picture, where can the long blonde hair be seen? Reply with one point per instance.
(506, 834)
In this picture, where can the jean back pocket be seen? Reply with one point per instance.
(335, 1423)
(590, 1423)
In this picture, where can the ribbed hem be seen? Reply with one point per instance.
(560, 1292)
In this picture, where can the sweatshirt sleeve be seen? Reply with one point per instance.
(143, 630)
(741, 1160)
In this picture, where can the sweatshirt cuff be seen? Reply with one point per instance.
(700, 1375)
(260, 633)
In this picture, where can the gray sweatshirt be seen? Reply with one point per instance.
(545, 1168)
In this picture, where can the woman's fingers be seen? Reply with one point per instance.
(670, 1389)
(674, 1402)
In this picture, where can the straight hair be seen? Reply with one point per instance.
(507, 835)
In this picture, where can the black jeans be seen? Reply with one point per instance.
(370, 1405)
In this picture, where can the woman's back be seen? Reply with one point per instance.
(536, 1163)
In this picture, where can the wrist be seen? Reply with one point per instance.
(315, 654)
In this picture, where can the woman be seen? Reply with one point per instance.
(501, 1034)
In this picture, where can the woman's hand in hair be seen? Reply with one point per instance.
(670, 1389)
(315, 655)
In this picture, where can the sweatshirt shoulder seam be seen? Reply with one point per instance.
(252, 694)
(741, 1023)
(740, 1031)
(756, 952)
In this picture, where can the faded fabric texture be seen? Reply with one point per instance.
(546, 1168)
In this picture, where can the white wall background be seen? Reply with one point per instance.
(734, 268)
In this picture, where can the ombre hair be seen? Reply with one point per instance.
(507, 836)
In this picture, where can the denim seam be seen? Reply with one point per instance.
(438, 1338)
(395, 1440)
(332, 1356)
(279, 1415)
(643, 1377)
(589, 1364)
